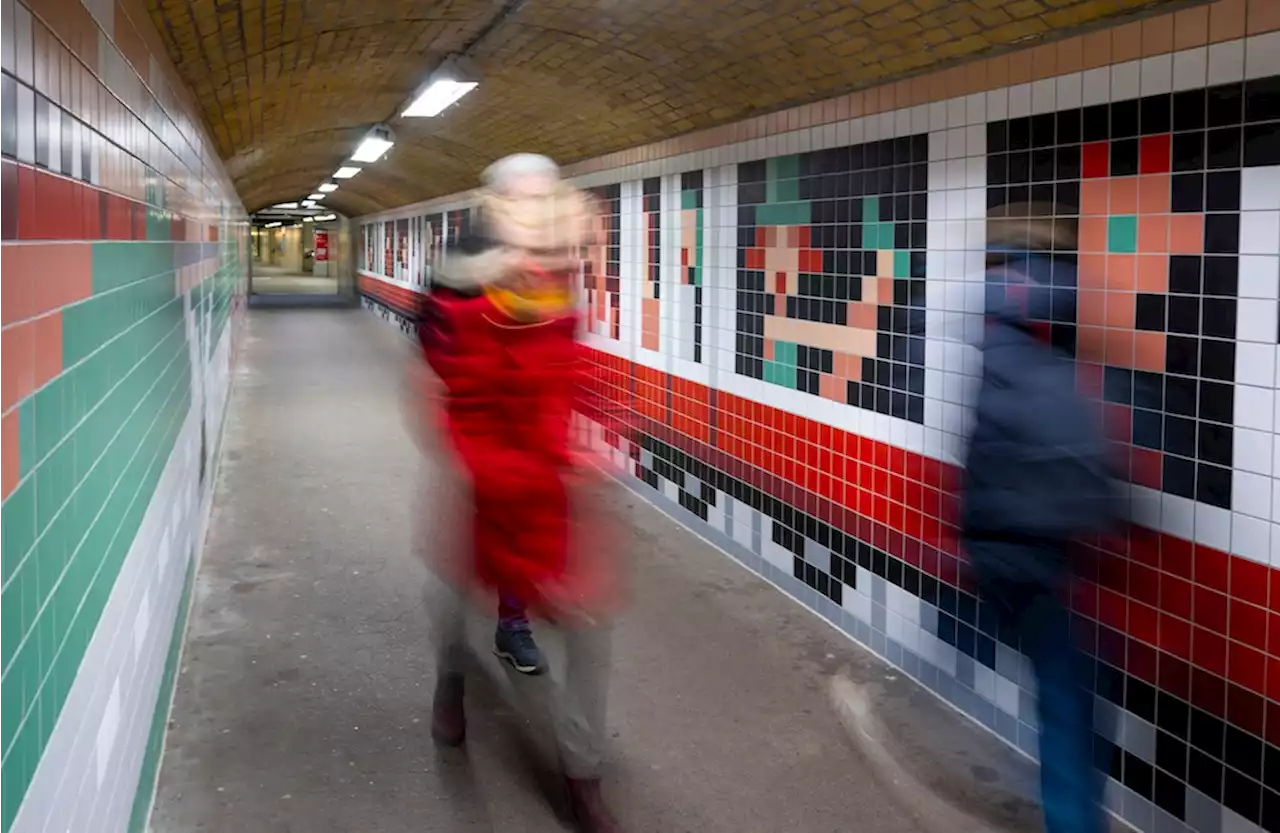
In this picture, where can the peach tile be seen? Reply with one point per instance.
(1126, 42)
(829, 111)
(1227, 19)
(1044, 61)
(1097, 49)
(843, 107)
(48, 347)
(862, 316)
(1118, 346)
(10, 454)
(937, 86)
(1120, 309)
(1153, 233)
(1093, 197)
(1020, 67)
(1186, 234)
(1157, 35)
(1264, 16)
(997, 72)
(954, 81)
(792, 119)
(768, 349)
(1153, 194)
(1148, 351)
(1093, 235)
(1091, 307)
(857, 104)
(903, 95)
(975, 77)
(871, 101)
(833, 388)
(1122, 272)
(1153, 273)
(1123, 195)
(17, 364)
(888, 100)
(1191, 27)
(1092, 269)
(1071, 55)
(919, 90)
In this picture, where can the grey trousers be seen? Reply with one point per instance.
(574, 702)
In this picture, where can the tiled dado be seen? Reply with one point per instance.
(1188, 650)
(122, 261)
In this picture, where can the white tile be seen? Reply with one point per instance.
(1260, 189)
(1213, 526)
(1262, 55)
(1019, 101)
(1256, 321)
(1070, 90)
(998, 104)
(1251, 494)
(108, 728)
(1126, 81)
(1044, 96)
(26, 122)
(1275, 544)
(1260, 232)
(1260, 276)
(1156, 75)
(1226, 62)
(1190, 68)
(1255, 364)
(1252, 450)
(976, 109)
(1254, 407)
(1177, 515)
(1096, 86)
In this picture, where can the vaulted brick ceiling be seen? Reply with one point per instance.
(289, 87)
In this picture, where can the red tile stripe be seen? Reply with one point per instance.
(1194, 620)
(398, 298)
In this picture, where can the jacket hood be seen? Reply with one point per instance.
(471, 271)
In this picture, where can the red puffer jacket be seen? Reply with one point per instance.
(509, 390)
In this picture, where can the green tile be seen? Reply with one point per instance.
(27, 434)
(17, 526)
(782, 182)
(783, 214)
(688, 200)
(1122, 233)
(901, 264)
(870, 209)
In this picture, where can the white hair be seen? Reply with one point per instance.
(500, 176)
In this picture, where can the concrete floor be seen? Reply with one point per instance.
(273, 280)
(303, 699)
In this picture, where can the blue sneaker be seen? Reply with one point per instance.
(517, 647)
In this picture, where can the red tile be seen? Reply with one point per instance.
(1211, 568)
(1210, 610)
(1246, 667)
(1209, 651)
(1175, 636)
(1245, 709)
(1248, 624)
(1175, 676)
(28, 218)
(48, 347)
(1175, 596)
(17, 364)
(8, 201)
(10, 453)
(1095, 160)
(1208, 691)
(1248, 580)
(1154, 154)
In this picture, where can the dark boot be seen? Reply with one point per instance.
(587, 805)
(448, 718)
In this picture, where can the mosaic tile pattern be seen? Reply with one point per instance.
(691, 281)
(124, 261)
(1165, 163)
(831, 259)
(602, 266)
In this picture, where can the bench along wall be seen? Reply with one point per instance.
(124, 259)
(786, 308)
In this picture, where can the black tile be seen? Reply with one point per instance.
(1217, 359)
(1180, 399)
(1139, 776)
(1225, 105)
(1156, 114)
(1217, 402)
(1262, 144)
(1149, 315)
(1205, 774)
(1170, 794)
(1242, 794)
(1213, 443)
(1223, 147)
(1140, 698)
(1262, 99)
(1222, 191)
(1095, 121)
(1188, 192)
(1124, 119)
(1179, 477)
(1221, 276)
(1189, 110)
(1068, 127)
(1218, 317)
(1244, 752)
(1213, 485)
(1183, 314)
(1171, 754)
(1189, 151)
(1124, 157)
(1184, 274)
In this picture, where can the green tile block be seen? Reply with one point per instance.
(27, 435)
(783, 214)
(688, 200)
(1122, 233)
(785, 353)
(901, 264)
(870, 209)
(17, 526)
(11, 630)
(120, 263)
(782, 179)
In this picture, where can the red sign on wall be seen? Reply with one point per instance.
(322, 245)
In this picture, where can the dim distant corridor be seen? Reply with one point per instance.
(303, 697)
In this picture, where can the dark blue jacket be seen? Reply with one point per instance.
(1039, 465)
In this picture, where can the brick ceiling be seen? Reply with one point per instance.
(288, 87)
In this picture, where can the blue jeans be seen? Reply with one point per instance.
(511, 614)
(1071, 787)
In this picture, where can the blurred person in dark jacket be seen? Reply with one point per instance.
(499, 328)
(1038, 478)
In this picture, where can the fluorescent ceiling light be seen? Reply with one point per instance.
(309, 204)
(372, 148)
(314, 197)
(439, 95)
(328, 188)
(325, 217)
(285, 205)
(273, 225)
(308, 219)
(346, 172)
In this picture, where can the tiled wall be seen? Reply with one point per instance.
(788, 308)
(124, 254)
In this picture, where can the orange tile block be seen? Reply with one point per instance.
(48, 347)
(1263, 16)
(1153, 273)
(1122, 272)
(1186, 234)
(40, 277)
(10, 454)
(1227, 20)
(1148, 351)
(1120, 309)
(1093, 197)
(1123, 195)
(1091, 308)
(1153, 233)
(1191, 28)
(17, 364)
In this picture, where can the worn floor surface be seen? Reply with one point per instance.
(302, 704)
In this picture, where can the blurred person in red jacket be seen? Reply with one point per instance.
(499, 328)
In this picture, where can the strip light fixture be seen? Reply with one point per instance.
(273, 225)
(454, 79)
(377, 142)
(328, 188)
(346, 172)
